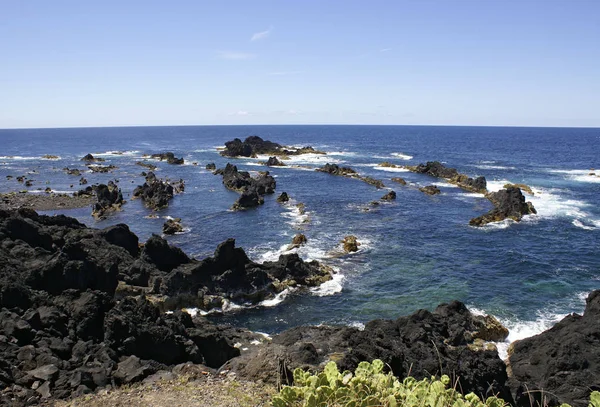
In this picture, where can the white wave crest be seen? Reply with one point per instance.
(403, 156)
(278, 298)
(330, 287)
(494, 167)
(116, 153)
(390, 169)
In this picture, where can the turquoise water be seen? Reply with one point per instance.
(416, 252)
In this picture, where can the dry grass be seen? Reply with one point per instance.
(209, 391)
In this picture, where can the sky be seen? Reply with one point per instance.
(446, 62)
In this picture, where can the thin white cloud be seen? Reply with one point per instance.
(283, 73)
(240, 113)
(385, 49)
(261, 35)
(233, 55)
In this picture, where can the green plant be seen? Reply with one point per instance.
(370, 386)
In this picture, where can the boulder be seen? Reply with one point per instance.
(283, 197)
(399, 180)
(172, 226)
(102, 168)
(508, 203)
(145, 164)
(211, 166)
(390, 196)
(274, 162)
(350, 244)
(91, 158)
(560, 365)
(430, 190)
(298, 240)
(250, 198)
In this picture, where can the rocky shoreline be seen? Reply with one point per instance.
(85, 309)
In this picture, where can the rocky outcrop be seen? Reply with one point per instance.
(155, 192)
(65, 331)
(430, 190)
(147, 165)
(71, 171)
(350, 244)
(399, 180)
(254, 145)
(274, 162)
(560, 365)
(298, 240)
(90, 158)
(348, 172)
(283, 197)
(508, 203)
(169, 157)
(390, 196)
(252, 189)
(522, 187)
(438, 170)
(172, 226)
(102, 168)
(422, 344)
(211, 166)
(109, 198)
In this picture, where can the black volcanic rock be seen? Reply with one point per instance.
(252, 189)
(155, 193)
(348, 172)
(91, 158)
(438, 170)
(109, 198)
(274, 162)
(430, 190)
(562, 364)
(509, 203)
(254, 145)
(390, 196)
(169, 157)
(422, 344)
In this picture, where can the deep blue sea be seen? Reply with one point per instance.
(416, 252)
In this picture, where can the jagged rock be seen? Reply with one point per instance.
(437, 169)
(350, 244)
(430, 190)
(522, 187)
(102, 168)
(390, 196)
(561, 364)
(70, 171)
(250, 198)
(283, 197)
(274, 162)
(110, 199)
(252, 189)
(155, 193)
(211, 166)
(169, 157)
(172, 226)
(145, 164)
(508, 203)
(254, 145)
(421, 345)
(399, 180)
(348, 172)
(91, 158)
(298, 240)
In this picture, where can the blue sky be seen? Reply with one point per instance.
(479, 62)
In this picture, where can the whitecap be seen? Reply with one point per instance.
(403, 156)
(390, 169)
(330, 287)
(578, 223)
(358, 325)
(17, 158)
(278, 298)
(116, 153)
(444, 185)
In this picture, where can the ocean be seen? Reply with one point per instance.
(416, 252)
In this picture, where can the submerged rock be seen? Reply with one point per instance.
(211, 166)
(102, 168)
(399, 180)
(348, 172)
(430, 190)
(508, 203)
(390, 196)
(145, 164)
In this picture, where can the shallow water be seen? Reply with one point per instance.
(416, 252)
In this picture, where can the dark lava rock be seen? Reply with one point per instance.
(399, 180)
(211, 166)
(110, 199)
(252, 189)
(561, 365)
(430, 190)
(172, 226)
(335, 169)
(421, 345)
(350, 244)
(168, 157)
(274, 162)
(250, 198)
(283, 197)
(102, 168)
(437, 169)
(390, 196)
(145, 164)
(83, 181)
(509, 203)
(70, 171)
(254, 145)
(91, 158)
(155, 193)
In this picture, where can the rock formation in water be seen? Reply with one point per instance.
(91, 158)
(508, 203)
(254, 145)
(348, 172)
(169, 157)
(438, 170)
(155, 193)
(430, 190)
(252, 189)
(109, 199)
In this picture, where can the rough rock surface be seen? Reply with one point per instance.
(254, 145)
(91, 158)
(252, 189)
(561, 365)
(64, 330)
(155, 193)
(283, 197)
(169, 157)
(109, 199)
(211, 166)
(399, 180)
(430, 190)
(390, 196)
(348, 172)
(509, 203)
(437, 169)
(172, 226)
(350, 244)
(274, 162)
(422, 344)
(102, 168)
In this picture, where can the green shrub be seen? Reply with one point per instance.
(369, 386)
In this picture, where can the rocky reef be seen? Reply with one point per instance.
(438, 170)
(509, 203)
(252, 189)
(348, 172)
(169, 157)
(155, 192)
(254, 145)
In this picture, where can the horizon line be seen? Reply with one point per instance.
(298, 124)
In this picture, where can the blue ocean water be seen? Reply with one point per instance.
(416, 252)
